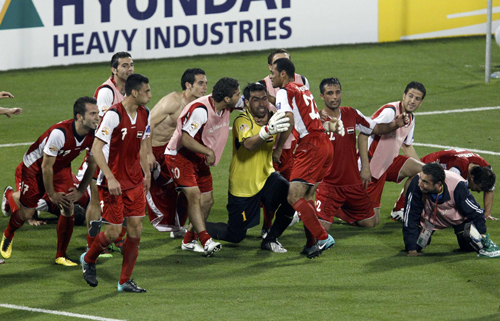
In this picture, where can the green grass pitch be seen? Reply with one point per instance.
(366, 276)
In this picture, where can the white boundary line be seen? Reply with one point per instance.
(67, 314)
(451, 111)
(451, 147)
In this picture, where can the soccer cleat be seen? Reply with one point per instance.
(211, 247)
(192, 246)
(6, 247)
(264, 232)
(116, 247)
(178, 234)
(295, 219)
(320, 246)
(5, 202)
(397, 215)
(62, 260)
(89, 271)
(130, 286)
(273, 246)
(490, 249)
(104, 254)
(306, 250)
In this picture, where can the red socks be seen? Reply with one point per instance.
(400, 204)
(100, 244)
(310, 218)
(204, 237)
(12, 204)
(64, 229)
(189, 236)
(130, 253)
(15, 223)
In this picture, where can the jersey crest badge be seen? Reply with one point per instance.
(243, 128)
(53, 148)
(105, 131)
(195, 125)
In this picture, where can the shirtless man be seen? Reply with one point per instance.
(163, 216)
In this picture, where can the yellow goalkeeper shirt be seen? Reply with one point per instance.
(249, 169)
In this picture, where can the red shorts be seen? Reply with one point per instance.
(115, 208)
(32, 188)
(188, 173)
(286, 159)
(312, 159)
(350, 203)
(376, 187)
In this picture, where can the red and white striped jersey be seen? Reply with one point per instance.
(297, 99)
(60, 141)
(123, 136)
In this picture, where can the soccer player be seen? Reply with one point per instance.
(197, 143)
(284, 163)
(313, 154)
(472, 167)
(252, 178)
(109, 93)
(342, 193)
(437, 199)
(10, 202)
(47, 168)
(120, 151)
(162, 197)
(385, 163)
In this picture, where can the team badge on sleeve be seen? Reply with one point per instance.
(53, 148)
(278, 106)
(105, 131)
(195, 125)
(243, 128)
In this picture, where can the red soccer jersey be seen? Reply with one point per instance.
(344, 170)
(459, 159)
(123, 137)
(61, 141)
(296, 98)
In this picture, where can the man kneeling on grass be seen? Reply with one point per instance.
(438, 199)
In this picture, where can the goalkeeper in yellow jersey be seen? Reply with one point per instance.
(252, 178)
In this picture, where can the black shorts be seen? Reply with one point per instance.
(244, 212)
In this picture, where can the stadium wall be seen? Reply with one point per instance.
(40, 33)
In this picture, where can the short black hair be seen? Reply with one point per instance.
(275, 52)
(418, 86)
(252, 87)
(286, 65)
(116, 57)
(80, 105)
(190, 76)
(135, 81)
(484, 177)
(225, 87)
(329, 82)
(436, 171)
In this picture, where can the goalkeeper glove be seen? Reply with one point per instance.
(278, 123)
